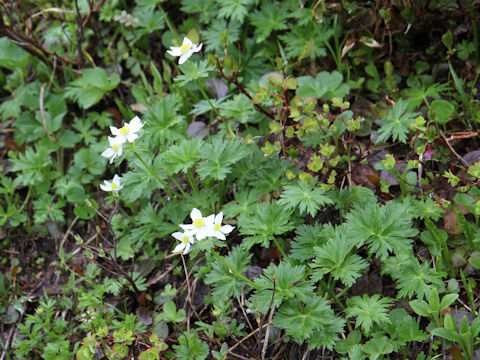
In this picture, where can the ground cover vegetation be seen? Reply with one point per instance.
(239, 179)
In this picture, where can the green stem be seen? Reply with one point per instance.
(215, 110)
(191, 180)
(277, 244)
(170, 26)
(178, 186)
(475, 33)
(223, 261)
(25, 201)
(221, 190)
(167, 188)
(332, 295)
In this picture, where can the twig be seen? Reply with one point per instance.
(267, 334)
(453, 150)
(68, 231)
(42, 114)
(249, 336)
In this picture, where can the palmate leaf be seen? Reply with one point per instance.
(307, 41)
(417, 279)
(334, 257)
(306, 320)
(396, 123)
(289, 282)
(243, 204)
(368, 310)
(182, 156)
(213, 34)
(219, 156)
(273, 16)
(163, 122)
(225, 283)
(267, 221)
(306, 197)
(308, 237)
(234, 9)
(384, 228)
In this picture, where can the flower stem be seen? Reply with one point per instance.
(178, 186)
(222, 260)
(215, 110)
(191, 180)
(167, 188)
(277, 244)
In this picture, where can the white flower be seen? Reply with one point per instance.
(128, 131)
(113, 185)
(185, 50)
(114, 150)
(201, 227)
(220, 231)
(186, 240)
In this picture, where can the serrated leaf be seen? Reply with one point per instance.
(368, 310)
(306, 197)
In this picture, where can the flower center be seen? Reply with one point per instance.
(185, 47)
(199, 223)
(125, 130)
(114, 186)
(185, 239)
(115, 147)
(217, 227)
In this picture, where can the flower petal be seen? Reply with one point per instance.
(175, 51)
(178, 235)
(108, 153)
(227, 229)
(209, 220)
(183, 58)
(135, 124)
(106, 187)
(195, 214)
(114, 130)
(179, 248)
(187, 41)
(219, 218)
(219, 235)
(197, 48)
(131, 137)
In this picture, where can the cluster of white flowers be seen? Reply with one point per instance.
(128, 132)
(185, 50)
(201, 228)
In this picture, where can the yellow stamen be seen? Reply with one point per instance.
(125, 130)
(115, 147)
(199, 223)
(185, 239)
(185, 47)
(114, 186)
(217, 227)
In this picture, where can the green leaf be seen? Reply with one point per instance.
(301, 320)
(448, 334)
(307, 238)
(267, 221)
(48, 209)
(240, 109)
(163, 122)
(193, 71)
(219, 156)
(170, 312)
(217, 31)
(385, 228)
(377, 347)
(368, 310)
(308, 41)
(396, 123)
(325, 85)
(442, 111)
(234, 9)
(90, 88)
(334, 258)
(225, 283)
(271, 17)
(33, 165)
(182, 156)
(306, 197)
(243, 204)
(421, 308)
(289, 282)
(190, 347)
(416, 278)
